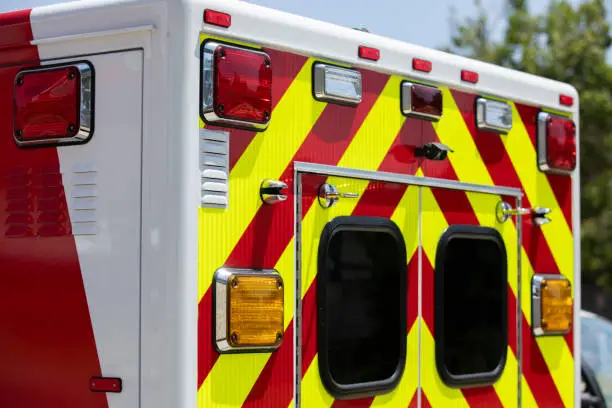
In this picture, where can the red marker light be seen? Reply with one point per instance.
(217, 18)
(561, 143)
(421, 65)
(469, 76)
(104, 384)
(369, 53)
(566, 100)
(47, 104)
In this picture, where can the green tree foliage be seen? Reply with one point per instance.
(567, 43)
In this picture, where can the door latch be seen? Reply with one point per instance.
(504, 211)
(329, 195)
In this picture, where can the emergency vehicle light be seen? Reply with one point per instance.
(469, 76)
(53, 105)
(236, 86)
(566, 100)
(421, 101)
(494, 116)
(556, 144)
(249, 310)
(421, 65)
(335, 84)
(552, 307)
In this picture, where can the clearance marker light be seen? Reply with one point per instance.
(556, 144)
(249, 310)
(566, 100)
(493, 116)
(236, 86)
(217, 18)
(421, 65)
(369, 53)
(335, 84)
(53, 105)
(421, 101)
(552, 307)
(469, 76)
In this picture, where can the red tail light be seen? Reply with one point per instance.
(421, 101)
(236, 86)
(421, 65)
(566, 100)
(53, 105)
(556, 144)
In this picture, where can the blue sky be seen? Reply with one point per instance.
(420, 22)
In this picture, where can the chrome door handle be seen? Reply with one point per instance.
(329, 195)
(504, 211)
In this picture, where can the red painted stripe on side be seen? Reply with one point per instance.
(401, 157)
(207, 355)
(414, 400)
(47, 345)
(482, 397)
(424, 401)
(326, 143)
(427, 292)
(354, 403)
(413, 291)
(286, 67)
(561, 185)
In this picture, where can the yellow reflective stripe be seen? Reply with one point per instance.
(438, 394)
(267, 156)
(406, 216)
(313, 393)
(522, 154)
(506, 387)
(560, 363)
(453, 132)
(527, 399)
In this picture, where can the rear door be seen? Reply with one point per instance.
(469, 289)
(357, 291)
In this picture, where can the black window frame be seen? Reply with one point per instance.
(476, 379)
(372, 388)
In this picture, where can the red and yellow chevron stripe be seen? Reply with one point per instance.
(375, 136)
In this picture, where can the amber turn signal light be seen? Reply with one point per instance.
(249, 310)
(552, 305)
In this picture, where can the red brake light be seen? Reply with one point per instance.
(566, 100)
(421, 65)
(469, 76)
(217, 18)
(421, 101)
(237, 86)
(52, 105)
(556, 144)
(369, 53)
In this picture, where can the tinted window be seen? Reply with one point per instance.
(361, 296)
(471, 307)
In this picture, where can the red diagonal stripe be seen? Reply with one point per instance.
(561, 185)
(207, 356)
(482, 397)
(415, 399)
(503, 173)
(424, 401)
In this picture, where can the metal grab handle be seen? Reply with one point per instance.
(329, 195)
(504, 211)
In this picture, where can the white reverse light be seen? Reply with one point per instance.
(336, 84)
(494, 116)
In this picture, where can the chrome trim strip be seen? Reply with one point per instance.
(297, 321)
(519, 308)
(420, 294)
(86, 103)
(328, 170)
(94, 34)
